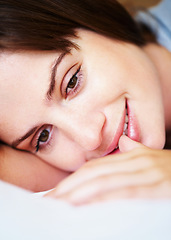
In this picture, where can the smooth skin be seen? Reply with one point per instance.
(27, 170)
(84, 121)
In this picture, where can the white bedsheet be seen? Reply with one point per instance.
(24, 215)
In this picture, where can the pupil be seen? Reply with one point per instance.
(44, 136)
(72, 82)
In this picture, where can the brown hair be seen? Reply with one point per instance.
(48, 24)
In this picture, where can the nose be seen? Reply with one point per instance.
(85, 129)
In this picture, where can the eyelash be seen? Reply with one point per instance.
(77, 86)
(37, 141)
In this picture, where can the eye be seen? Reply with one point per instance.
(74, 83)
(43, 137)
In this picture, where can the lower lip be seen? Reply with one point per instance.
(116, 151)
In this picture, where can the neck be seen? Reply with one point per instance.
(161, 58)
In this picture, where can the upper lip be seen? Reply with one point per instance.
(117, 136)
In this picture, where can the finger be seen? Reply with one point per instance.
(157, 191)
(90, 190)
(95, 169)
(126, 144)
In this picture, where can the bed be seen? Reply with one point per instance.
(24, 215)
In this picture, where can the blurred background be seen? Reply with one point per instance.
(134, 5)
(140, 3)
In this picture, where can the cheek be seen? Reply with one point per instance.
(104, 86)
(143, 90)
(64, 154)
(140, 79)
(146, 100)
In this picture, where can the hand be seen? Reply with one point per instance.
(138, 172)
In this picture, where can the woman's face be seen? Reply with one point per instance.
(69, 108)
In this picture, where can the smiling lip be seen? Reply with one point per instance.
(118, 134)
(133, 131)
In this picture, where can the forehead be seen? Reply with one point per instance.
(20, 71)
(23, 79)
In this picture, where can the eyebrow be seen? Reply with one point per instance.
(49, 93)
(16, 142)
(53, 74)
